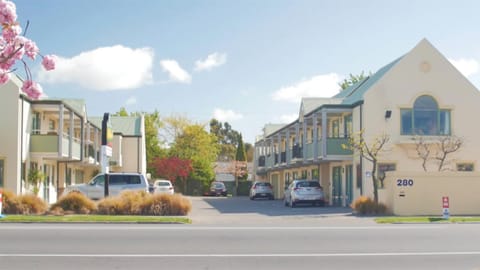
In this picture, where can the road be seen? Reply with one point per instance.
(314, 243)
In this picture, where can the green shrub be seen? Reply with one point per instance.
(366, 206)
(74, 202)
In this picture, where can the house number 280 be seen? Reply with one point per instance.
(404, 182)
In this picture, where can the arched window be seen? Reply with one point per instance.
(425, 118)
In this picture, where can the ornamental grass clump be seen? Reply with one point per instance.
(32, 204)
(28, 204)
(366, 206)
(74, 203)
(167, 205)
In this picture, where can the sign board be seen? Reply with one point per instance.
(446, 207)
(107, 134)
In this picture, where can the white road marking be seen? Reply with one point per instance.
(139, 227)
(373, 254)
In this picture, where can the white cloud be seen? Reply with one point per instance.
(131, 101)
(105, 68)
(175, 71)
(213, 60)
(318, 86)
(467, 67)
(288, 118)
(226, 115)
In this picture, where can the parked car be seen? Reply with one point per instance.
(304, 191)
(118, 182)
(218, 189)
(261, 190)
(163, 186)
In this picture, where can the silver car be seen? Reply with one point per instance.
(261, 190)
(118, 182)
(304, 191)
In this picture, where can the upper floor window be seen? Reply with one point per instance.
(425, 118)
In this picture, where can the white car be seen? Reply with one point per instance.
(118, 182)
(163, 186)
(304, 191)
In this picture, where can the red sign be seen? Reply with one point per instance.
(445, 202)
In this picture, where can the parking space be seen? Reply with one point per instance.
(243, 211)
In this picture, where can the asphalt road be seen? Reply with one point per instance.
(309, 238)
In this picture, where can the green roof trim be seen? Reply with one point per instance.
(125, 125)
(354, 94)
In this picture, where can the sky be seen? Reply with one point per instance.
(246, 62)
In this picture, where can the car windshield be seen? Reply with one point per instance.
(264, 184)
(308, 184)
(218, 185)
(163, 184)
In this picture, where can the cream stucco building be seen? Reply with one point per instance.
(420, 95)
(58, 138)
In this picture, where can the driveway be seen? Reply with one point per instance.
(243, 211)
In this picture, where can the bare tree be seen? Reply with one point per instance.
(356, 142)
(437, 148)
(423, 150)
(445, 146)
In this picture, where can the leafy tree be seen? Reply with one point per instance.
(172, 168)
(249, 149)
(227, 138)
(356, 142)
(241, 155)
(352, 79)
(197, 145)
(173, 126)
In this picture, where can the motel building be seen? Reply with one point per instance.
(59, 139)
(418, 101)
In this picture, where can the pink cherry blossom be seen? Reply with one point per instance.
(8, 12)
(11, 31)
(4, 76)
(48, 62)
(31, 49)
(32, 89)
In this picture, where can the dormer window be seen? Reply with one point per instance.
(425, 118)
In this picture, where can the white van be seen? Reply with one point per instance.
(118, 182)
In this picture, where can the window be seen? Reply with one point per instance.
(465, 167)
(36, 123)
(2, 170)
(335, 129)
(348, 126)
(425, 118)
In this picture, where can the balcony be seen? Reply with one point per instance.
(334, 147)
(48, 144)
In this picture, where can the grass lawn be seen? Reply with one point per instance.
(93, 219)
(432, 220)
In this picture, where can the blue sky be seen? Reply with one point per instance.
(244, 62)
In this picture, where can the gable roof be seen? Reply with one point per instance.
(355, 92)
(125, 125)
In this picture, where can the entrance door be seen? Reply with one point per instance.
(349, 183)
(337, 186)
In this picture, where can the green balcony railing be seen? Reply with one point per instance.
(334, 147)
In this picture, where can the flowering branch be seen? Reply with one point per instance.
(14, 47)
